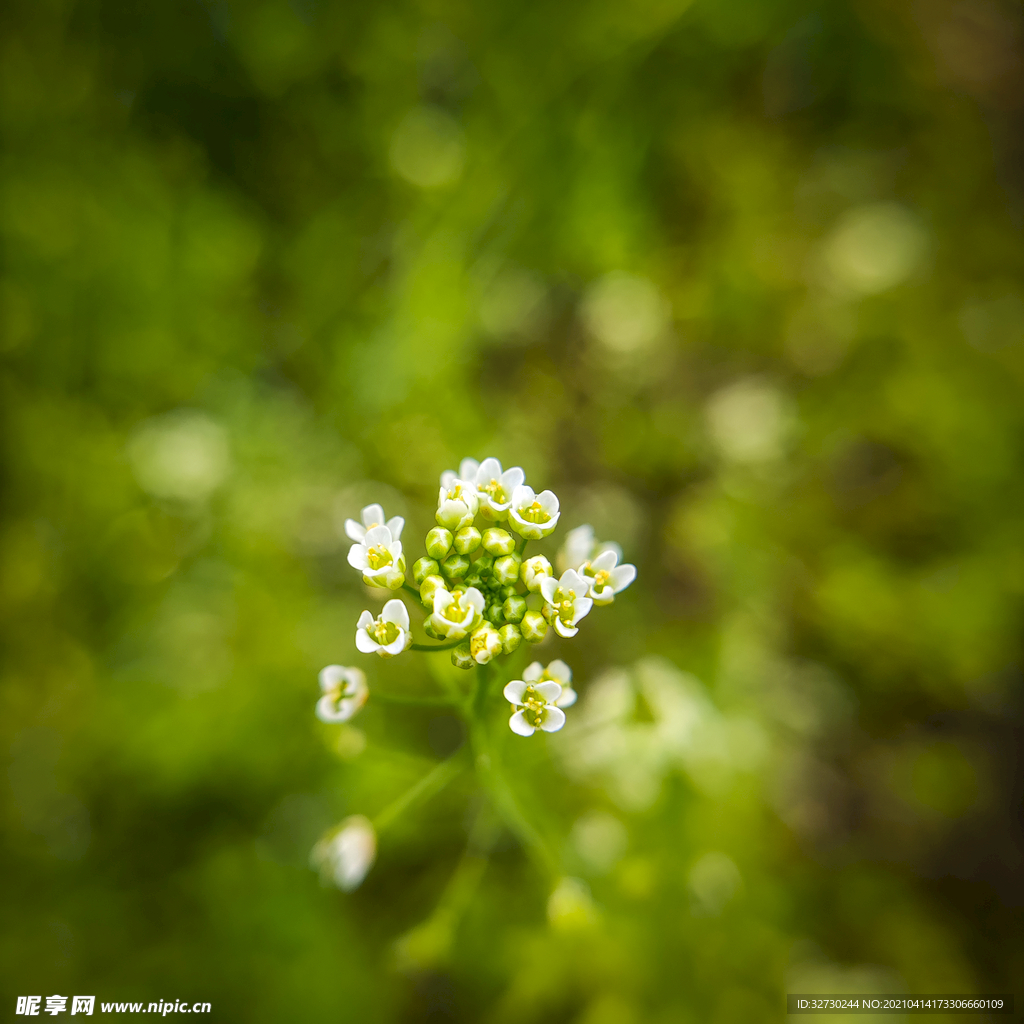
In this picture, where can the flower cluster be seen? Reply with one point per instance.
(482, 594)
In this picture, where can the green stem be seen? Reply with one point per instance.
(521, 545)
(436, 647)
(503, 797)
(412, 590)
(431, 783)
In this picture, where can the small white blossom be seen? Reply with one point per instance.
(494, 487)
(533, 516)
(606, 578)
(557, 671)
(373, 515)
(567, 601)
(345, 855)
(580, 546)
(484, 644)
(457, 612)
(378, 556)
(534, 571)
(388, 634)
(535, 705)
(457, 501)
(344, 693)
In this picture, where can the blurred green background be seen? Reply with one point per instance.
(740, 280)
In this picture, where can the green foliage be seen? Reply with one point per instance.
(740, 281)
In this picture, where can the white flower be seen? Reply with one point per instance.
(388, 634)
(484, 644)
(580, 546)
(494, 487)
(347, 854)
(457, 612)
(606, 578)
(457, 501)
(567, 601)
(535, 706)
(378, 556)
(535, 570)
(533, 515)
(558, 672)
(344, 693)
(373, 515)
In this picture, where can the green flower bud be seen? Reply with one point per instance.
(461, 657)
(514, 608)
(427, 589)
(467, 540)
(511, 637)
(494, 614)
(534, 627)
(424, 567)
(439, 542)
(510, 590)
(455, 566)
(473, 578)
(499, 542)
(506, 569)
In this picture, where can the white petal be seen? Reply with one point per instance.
(468, 469)
(548, 501)
(523, 495)
(558, 669)
(572, 580)
(395, 525)
(474, 599)
(562, 629)
(373, 515)
(548, 586)
(520, 726)
(379, 535)
(567, 698)
(622, 576)
(533, 672)
(514, 691)
(365, 620)
(365, 643)
(580, 607)
(511, 479)
(490, 469)
(331, 676)
(604, 561)
(354, 530)
(549, 690)
(553, 720)
(395, 611)
(357, 557)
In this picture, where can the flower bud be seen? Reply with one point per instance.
(345, 855)
(467, 540)
(455, 566)
(536, 569)
(428, 588)
(506, 569)
(461, 658)
(534, 627)
(514, 608)
(511, 637)
(439, 542)
(473, 578)
(484, 644)
(424, 567)
(510, 590)
(499, 542)
(494, 614)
